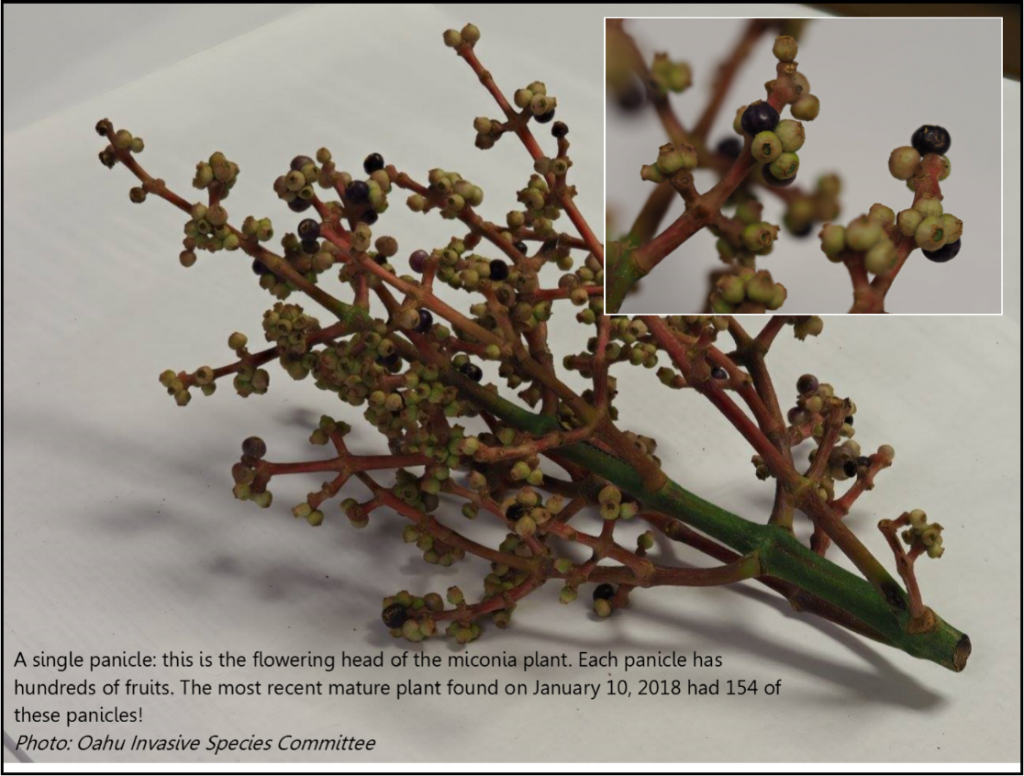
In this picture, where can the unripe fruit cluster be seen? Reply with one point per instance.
(536, 100)
(670, 76)
(217, 170)
(865, 235)
(747, 292)
(928, 534)
(671, 159)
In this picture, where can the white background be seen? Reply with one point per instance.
(120, 532)
(878, 81)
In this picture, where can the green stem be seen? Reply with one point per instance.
(781, 556)
(621, 274)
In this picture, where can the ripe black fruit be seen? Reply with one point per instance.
(931, 139)
(604, 592)
(759, 117)
(943, 254)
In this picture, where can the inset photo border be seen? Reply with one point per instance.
(874, 185)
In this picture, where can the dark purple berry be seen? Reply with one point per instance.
(719, 373)
(931, 140)
(299, 205)
(633, 97)
(771, 180)
(604, 592)
(254, 447)
(379, 260)
(370, 217)
(418, 261)
(515, 512)
(521, 247)
(259, 268)
(472, 371)
(804, 231)
(309, 230)
(559, 130)
(849, 420)
(943, 254)
(301, 161)
(759, 117)
(426, 321)
(357, 192)
(499, 270)
(388, 361)
(864, 462)
(544, 118)
(310, 247)
(372, 163)
(807, 384)
(850, 468)
(730, 148)
(395, 616)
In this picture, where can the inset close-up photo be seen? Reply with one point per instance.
(324, 452)
(808, 166)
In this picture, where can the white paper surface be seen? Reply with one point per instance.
(120, 532)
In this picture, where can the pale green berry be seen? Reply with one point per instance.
(791, 135)
(954, 227)
(452, 38)
(602, 608)
(757, 236)
(766, 147)
(650, 172)
(737, 124)
(806, 108)
(947, 168)
(882, 214)
(931, 234)
(786, 166)
(760, 288)
(732, 289)
(526, 526)
(862, 234)
(881, 259)
(833, 239)
(610, 495)
(903, 162)
(785, 48)
(908, 221)
(929, 206)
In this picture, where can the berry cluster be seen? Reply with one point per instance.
(413, 364)
(671, 159)
(670, 76)
(927, 534)
(747, 291)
